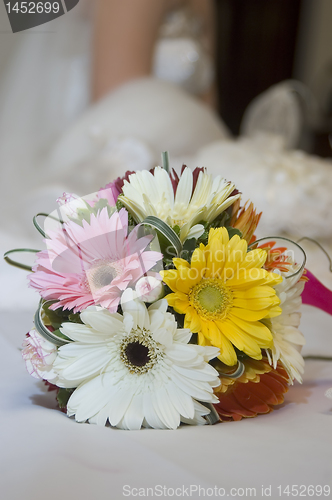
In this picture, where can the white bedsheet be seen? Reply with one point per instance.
(46, 455)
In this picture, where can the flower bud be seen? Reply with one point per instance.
(149, 289)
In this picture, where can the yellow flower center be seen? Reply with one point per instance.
(211, 298)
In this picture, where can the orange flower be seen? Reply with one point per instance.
(256, 392)
(277, 259)
(246, 220)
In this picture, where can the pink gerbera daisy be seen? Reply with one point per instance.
(92, 263)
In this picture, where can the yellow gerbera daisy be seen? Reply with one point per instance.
(224, 293)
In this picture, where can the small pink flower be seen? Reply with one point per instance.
(92, 263)
(112, 190)
(39, 356)
(150, 288)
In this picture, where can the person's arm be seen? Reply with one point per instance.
(125, 35)
(124, 40)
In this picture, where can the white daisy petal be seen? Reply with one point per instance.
(146, 194)
(179, 353)
(183, 335)
(142, 373)
(120, 403)
(190, 388)
(198, 375)
(162, 336)
(100, 418)
(102, 320)
(170, 415)
(287, 339)
(161, 305)
(151, 416)
(185, 187)
(87, 400)
(195, 232)
(134, 415)
(89, 363)
(135, 308)
(181, 401)
(82, 333)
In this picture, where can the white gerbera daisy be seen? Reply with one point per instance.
(149, 194)
(135, 370)
(287, 339)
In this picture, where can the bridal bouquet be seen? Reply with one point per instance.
(159, 306)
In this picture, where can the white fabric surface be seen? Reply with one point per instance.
(47, 455)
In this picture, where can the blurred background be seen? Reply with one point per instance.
(261, 43)
(258, 44)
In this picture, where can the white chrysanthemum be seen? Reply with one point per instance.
(135, 370)
(39, 355)
(152, 194)
(287, 339)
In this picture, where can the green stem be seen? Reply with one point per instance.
(165, 161)
(14, 263)
(37, 225)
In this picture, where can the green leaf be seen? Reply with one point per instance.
(177, 230)
(60, 335)
(119, 205)
(75, 318)
(232, 231)
(44, 331)
(59, 316)
(188, 249)
(63, 396)
(165, 234)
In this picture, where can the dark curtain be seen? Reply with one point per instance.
(255, 49)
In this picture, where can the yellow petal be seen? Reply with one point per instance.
(227, 352)
(181, 280)
(240, 339)
(256, 304)
(176, 301)
(245, 278)
(255, 258)
(255, 292)
(220, 234)
(198, 261)
(248, 315)
(195, 324)
(255, 329)
(180, 263)
(235, 253)
(274, 311)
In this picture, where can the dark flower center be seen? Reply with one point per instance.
(137, 354)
